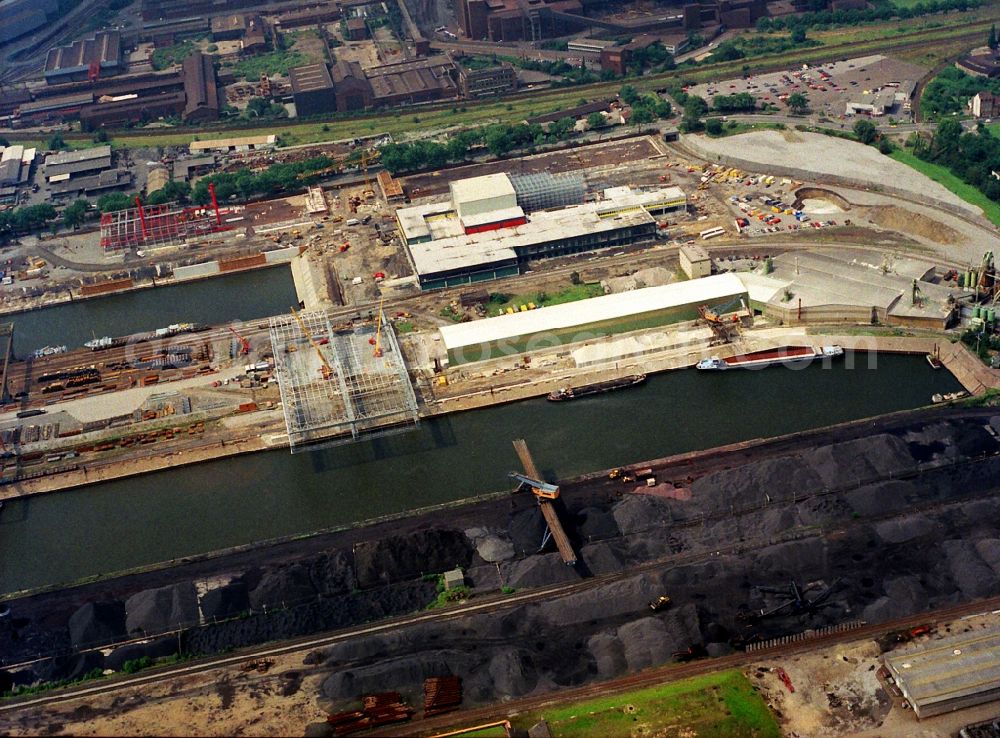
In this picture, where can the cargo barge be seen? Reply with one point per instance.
(573, 393)
(107, 342)
(786, 355)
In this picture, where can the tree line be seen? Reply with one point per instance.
(501, 139)
(820, 18)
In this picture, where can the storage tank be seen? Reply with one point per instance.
(961, 280)
(976, 311)
(992, 319)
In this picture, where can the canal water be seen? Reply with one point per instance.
(64, 536)
(243, 296)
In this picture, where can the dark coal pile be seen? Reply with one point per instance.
(398, 558)
(916, 523)
(97, 623)
(160, 610)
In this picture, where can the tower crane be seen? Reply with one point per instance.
(244, 343)
(325, 369)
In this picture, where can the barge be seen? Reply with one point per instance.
(786, 355)
(573, 393)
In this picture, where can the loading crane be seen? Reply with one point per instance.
(244, 343)
(725, 330)
(325, 369)
(546, 495)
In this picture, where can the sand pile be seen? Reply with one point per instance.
(160, 610)
(97, 623)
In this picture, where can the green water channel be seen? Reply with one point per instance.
(109, 527)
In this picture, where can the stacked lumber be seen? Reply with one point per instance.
(377, 709)
(442, 694)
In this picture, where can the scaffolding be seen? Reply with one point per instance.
(364, 396)
(543, 190)
(151, 226)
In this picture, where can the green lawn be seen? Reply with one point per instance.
(271, 63)
(723, 705)
(542, 299)
(943, 176)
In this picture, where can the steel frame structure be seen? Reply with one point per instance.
(365, 395)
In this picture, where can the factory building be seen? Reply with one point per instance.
(228, 145)
(412, 82)
(19, 17)
(557, 325)
(518, 20)
(489, 82)
(483, 233)
(351, 88)
(117, 112)
(824, 287)
(949, 674)
(357, 29)
(83, 172)
(85, 59)
(875, 104)
(313, 90)
(695, 261)
(201, 89)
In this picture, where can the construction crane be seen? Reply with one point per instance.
(377, 340)
(244, 343)
(325, 369)
(335, 168)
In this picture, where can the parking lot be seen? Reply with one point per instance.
(828, 87)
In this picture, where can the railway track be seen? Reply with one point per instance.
(972, 32)
(676, 672)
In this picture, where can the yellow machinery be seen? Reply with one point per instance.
(325, 368)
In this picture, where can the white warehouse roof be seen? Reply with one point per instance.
(480, 188)
(594, 310)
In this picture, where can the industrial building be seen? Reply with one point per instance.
(19, 17)
(84, 162)
(125, 110)
(83, 172)
(982, 62)
(85, 59)
(15, 165)
(518, 20)
(413, 82)
(824, 287)
(352, 89)
(558, 325)
(949, 674)
(357, 29)
(204, 98)
(875, 104)
(483, 232)
(489, 82)
(984, 105)
(695, 261)
(229, 145)
(312, 90)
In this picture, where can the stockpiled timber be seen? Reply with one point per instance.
(242, 262)
(100, 288)
(442, 694)
(377, 709)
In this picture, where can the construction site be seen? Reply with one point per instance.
(543, 279)
(340, 382)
